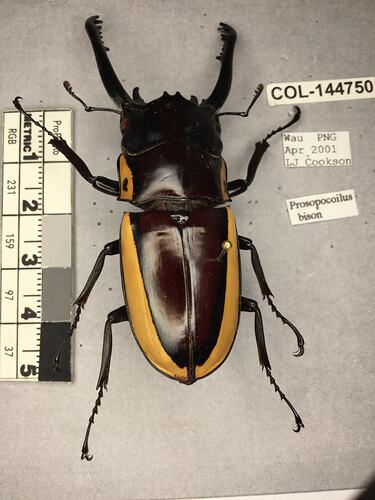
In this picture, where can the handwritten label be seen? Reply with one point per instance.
(322, 207)
(317, 149)
(320, 91)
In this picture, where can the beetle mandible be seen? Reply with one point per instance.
(180, 265)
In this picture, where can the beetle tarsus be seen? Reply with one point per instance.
(300, 339)
(16, 102)
(296, 116)
(85, 446)
(299, 425)
(297, 418)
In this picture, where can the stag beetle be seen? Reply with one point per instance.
(180, 265)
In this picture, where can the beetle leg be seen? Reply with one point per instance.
(239, 186)
(247, 244)
(102, 184)
(116, 316)
(112, 248)
(250, 305)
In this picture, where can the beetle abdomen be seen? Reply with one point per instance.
(183, 302)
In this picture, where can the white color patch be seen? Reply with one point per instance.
(317, 149)
(57, 188)
(322, 207)
(320, 91)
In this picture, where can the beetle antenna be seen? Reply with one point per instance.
(85, 447)
(17, 104)
(244, 114)
(69, 89)
(56, 361)
(296, 117)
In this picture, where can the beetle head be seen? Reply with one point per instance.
(170, 118)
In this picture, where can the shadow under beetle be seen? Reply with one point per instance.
(180, 265)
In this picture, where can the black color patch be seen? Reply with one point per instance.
(52, 336)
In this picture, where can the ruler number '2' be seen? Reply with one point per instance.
(32, 206)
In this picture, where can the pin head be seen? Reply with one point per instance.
(225, 246)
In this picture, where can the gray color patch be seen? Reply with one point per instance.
(56, 295)
(57, 241)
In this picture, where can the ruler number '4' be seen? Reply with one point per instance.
(28, 313)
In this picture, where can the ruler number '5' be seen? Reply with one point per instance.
(27, 370)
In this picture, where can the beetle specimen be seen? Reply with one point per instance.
(180, 264)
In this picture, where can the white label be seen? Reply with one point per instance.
(317, 149)
(36, 183)
(321, 207)
(320, 91)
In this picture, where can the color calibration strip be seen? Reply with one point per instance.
(36, 244)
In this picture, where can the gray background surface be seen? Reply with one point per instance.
(229, 434)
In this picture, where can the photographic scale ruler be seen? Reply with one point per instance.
(36, 247)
